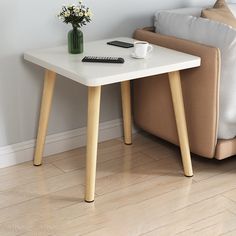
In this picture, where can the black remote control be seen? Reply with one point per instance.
(104, 59)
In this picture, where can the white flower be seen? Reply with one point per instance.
(78, 14)
(89, 13)
(77, 9)
(67, 14)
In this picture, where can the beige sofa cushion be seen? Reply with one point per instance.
(221, 13)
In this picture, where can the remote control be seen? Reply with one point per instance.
(104, 59)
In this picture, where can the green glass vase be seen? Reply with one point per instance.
(75, 41)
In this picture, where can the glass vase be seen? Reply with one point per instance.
(75, 41)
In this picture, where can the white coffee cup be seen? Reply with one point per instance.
(141, 49)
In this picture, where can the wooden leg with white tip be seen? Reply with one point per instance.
(177, 98)
(49, 84)
(126, 107)
(94, 97)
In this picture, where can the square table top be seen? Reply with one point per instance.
(160, 60)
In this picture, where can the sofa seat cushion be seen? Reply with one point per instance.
(225, 148)
(214, 34)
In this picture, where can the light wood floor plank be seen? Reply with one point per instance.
(82, 212)
(167, 204)
(231, 194)
(135, 221)
(212, 225)
(230, 233)
(140, 190)
(24, 215)
(78, 162)
(217, 225)
(145, 172)
(103, 147)
(27, 176)
(204, 168)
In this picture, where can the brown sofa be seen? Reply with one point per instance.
(153, 111)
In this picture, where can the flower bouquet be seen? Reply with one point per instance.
(78, 16)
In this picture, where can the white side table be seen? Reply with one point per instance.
(94, 76)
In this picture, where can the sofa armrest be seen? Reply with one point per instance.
(149, 28)
(200, 91)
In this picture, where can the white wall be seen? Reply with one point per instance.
(28, 24)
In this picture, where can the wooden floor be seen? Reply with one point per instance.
(140, 190)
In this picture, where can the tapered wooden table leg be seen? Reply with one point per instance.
(126, 107)
(49, 84)
(94, 97)
(177, 98)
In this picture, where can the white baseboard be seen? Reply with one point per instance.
(56, 143)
